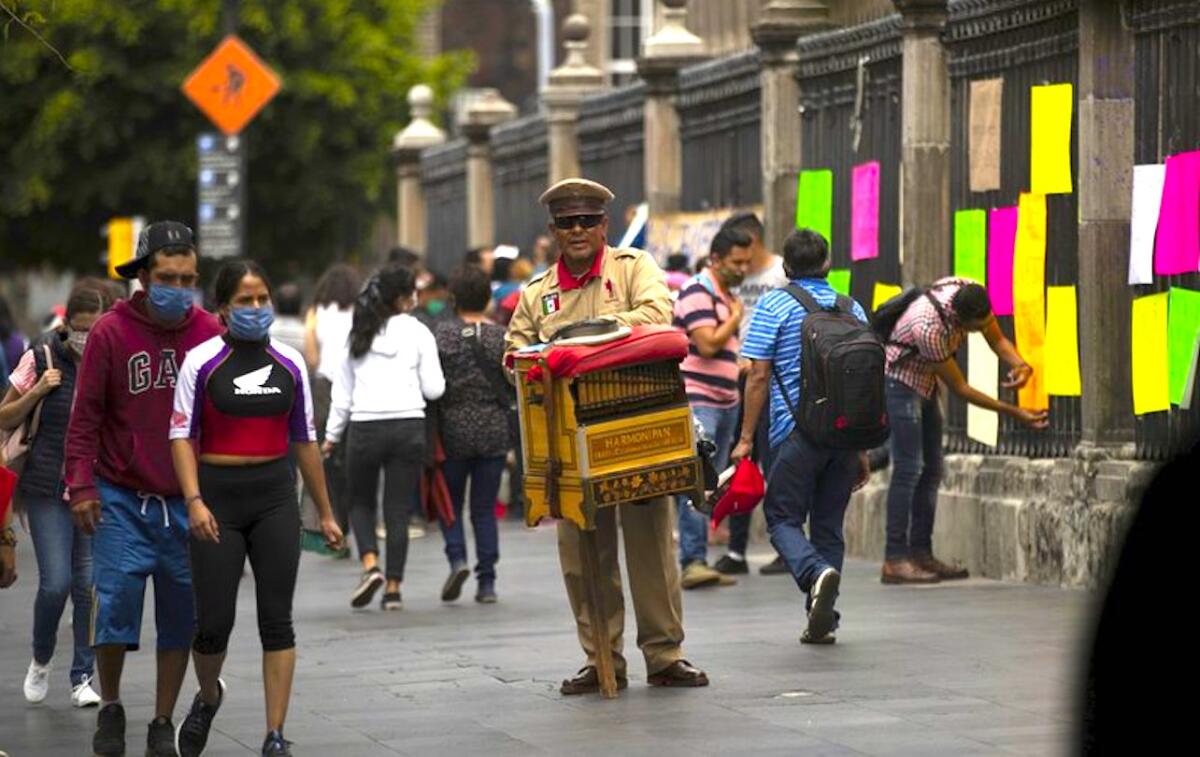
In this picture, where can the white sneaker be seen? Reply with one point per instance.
(37, 681)
(84, 695)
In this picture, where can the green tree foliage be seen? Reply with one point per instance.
(111, 133)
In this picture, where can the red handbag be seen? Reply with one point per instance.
(8, 485)
(742, 492)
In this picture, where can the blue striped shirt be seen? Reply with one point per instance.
(774, 335)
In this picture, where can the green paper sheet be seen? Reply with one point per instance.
(1183, 324)
(970, 245)
(814, 203)
(839, 279)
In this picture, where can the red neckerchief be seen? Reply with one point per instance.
(567, 282)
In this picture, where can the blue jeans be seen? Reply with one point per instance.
(64, 559)
(809, 483)
(719, 424)
(484, 473)
(916, 470)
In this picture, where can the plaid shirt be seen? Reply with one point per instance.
(926, 339)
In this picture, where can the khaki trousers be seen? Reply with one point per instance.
(653, 578)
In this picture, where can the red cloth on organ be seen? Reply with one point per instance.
(647, 344)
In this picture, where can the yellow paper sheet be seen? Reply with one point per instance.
(1062, 343)
(883, 293)
(983, 373)
(1151, 388)
(1029, 297)
(1050, 138)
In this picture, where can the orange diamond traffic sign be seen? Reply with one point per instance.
(231, 85)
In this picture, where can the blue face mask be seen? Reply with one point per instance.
(169, 303)
(250, 324)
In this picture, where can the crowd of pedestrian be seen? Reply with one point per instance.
(146, 419)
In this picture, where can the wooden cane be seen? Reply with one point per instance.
(601, 643)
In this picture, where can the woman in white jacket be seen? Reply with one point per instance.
(378, 405)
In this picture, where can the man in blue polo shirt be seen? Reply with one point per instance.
(806, 482)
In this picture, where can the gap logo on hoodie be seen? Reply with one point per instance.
(142, 375)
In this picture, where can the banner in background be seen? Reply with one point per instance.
(690, 233)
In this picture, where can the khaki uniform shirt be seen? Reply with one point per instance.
(630, 290)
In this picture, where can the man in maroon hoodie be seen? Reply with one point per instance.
(122, 482)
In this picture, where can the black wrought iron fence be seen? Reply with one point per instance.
(720, 108)
(1167, 117)
(444, 180)
(519, 176)
(611, 148)
(850, 102)
(1026, 43)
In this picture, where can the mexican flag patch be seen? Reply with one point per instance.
(550, 303)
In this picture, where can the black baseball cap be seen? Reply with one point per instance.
(160, 235)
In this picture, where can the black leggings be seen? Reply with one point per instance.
(257, 515)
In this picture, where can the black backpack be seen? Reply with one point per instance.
(884, 321)
(842, 403)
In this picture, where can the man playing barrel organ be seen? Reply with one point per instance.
(595, 281)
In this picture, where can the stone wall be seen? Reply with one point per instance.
(1056, 522)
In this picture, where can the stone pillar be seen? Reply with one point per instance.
(671, 48)
(485, 112)
(925, 144)
(1105, 166)
(596, 52)
(406, 154)
(779, 25)
(569, 84)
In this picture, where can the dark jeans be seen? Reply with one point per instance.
(739, 525)
(396, 447)
(809, 483)
(484, 473)
(64, 559)
(916, 470)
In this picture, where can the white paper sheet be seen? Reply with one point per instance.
(983, 373)
(1147, 197)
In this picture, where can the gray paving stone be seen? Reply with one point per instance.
(976, 667)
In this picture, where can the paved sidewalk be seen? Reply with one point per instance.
(970, 668)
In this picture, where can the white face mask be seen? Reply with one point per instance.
(77, 340)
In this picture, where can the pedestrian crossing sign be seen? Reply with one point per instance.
(232, 85)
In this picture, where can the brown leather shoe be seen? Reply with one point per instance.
(944, 571)
(696, 575)
(586, 681)
(906, 572)
(678, 673)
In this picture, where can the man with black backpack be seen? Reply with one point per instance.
(824, 366)
(923, 329)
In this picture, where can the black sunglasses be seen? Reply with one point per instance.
(566, 223)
